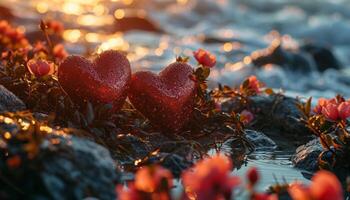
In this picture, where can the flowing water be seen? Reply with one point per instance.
(231, 29)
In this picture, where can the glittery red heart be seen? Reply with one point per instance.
(104, 80)
(167, 99)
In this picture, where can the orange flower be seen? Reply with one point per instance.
(322, 102)
(344, 110)
(324, 186)
(11, 37)
(59, 52)
(210, 179)
(40, 67)
(263, 196)
(336, 111)
(330, 111)
(246, 117)
(55, 27)
(14, 162)
(153, 179)
(253, 84)
(151, 182)
(205, 58)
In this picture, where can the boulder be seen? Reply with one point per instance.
(276, 54)
(277, 116)
(9, 102)
(323, 56)
(306, 156)
(260, 141)
(61, 167)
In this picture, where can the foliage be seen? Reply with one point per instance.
(326, 123)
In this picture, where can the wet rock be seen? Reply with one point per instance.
(323, 56)
(237, 151)
(276, 54)
(277, 116)
(134, 148)
(308, 57)
(9, 102)
(172, 161)
(65, 167)
(136, 23)
(260, 141)
(306, 156)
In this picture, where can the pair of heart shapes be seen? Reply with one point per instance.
(166, 99)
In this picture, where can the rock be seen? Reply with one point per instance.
(276, 54)
(323, 56)
(9, 102)
(172, 161)
(237, 151)
(64, 167)
(306, 156)
(260, 141)
(277, 116)
(280, 110)
(134, 148)
(131, 23)
(308, 57)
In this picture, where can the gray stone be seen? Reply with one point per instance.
(277, 116)
(306, 156)
(9, 102)
(260, 141)
(66, 167)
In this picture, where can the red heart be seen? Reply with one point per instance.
(167, 99)
(104, 80)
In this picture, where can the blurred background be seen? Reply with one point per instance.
(297, 45)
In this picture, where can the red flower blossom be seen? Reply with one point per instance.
(210, 179)
(4, 26)
(59, 52)
(246, 117)
(40, 68)
(324, 186)
(205, 58)
(253, 84)
(344, 110)
(336, 111)
(152, 183)
(253, 176)
(11, 37)
(55, 27)
(322, 102)
(14, 162)
(153, 179)
(263, 196)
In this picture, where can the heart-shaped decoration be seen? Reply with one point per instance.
(104, 80)
(167, 99)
